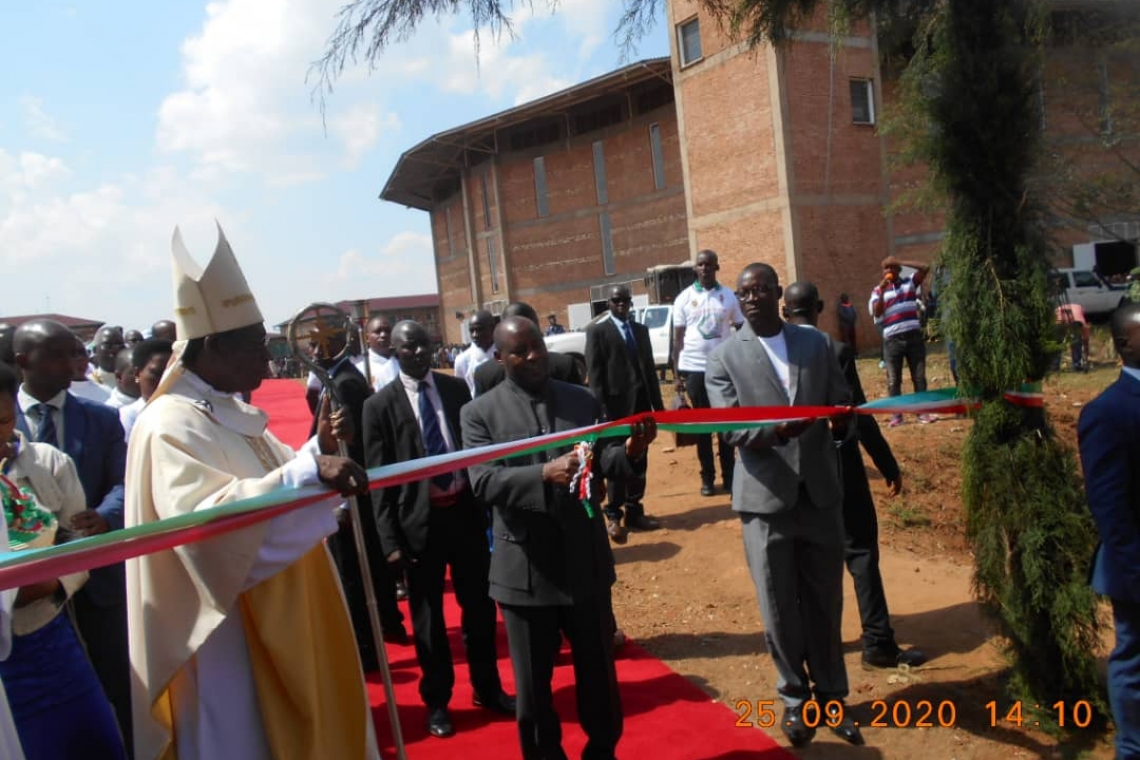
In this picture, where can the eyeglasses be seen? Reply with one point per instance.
(621, 300)
(757, 291)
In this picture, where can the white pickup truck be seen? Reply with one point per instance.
(1084, 287)
(658, 318)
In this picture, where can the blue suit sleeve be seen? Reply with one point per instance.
(114, 467)
(1103, 440)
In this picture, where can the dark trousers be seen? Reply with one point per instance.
(910, 346)
(535, 635)
(624, 495)
(104, 634)
(454, 540)
(699, 399)
(1124, 678)
(342, 546)
(861, 550)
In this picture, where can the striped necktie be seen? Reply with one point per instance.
(46, 433)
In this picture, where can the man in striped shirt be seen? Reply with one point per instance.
(894, 305)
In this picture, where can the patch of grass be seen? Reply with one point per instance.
(906, 515)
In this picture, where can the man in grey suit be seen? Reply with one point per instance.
(787, 489)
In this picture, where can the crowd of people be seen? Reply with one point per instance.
(254, 643)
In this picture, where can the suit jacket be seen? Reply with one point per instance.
(391, 434)
(93, 438)
(616, 379)
(770, 474)
(869, 433)
(562, 367)
(1108, 434)
(548, 550)
(353, 390)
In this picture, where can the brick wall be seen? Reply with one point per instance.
(552, 261)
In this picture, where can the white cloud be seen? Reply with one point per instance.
(109, 244)
(402, 266)
(359, 127)
(39, 122)
(245, 105)
(20, 174)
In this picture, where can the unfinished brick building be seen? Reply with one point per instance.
(761, 155)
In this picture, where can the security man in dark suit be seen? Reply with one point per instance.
(562, 366)
(428, 525)
(623, 378)
(552, 567)
(353, 390)
(802, 306)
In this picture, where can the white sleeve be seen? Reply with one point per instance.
(290, 536)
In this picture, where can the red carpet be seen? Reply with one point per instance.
(666, 716)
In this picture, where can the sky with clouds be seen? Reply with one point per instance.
(123, 118)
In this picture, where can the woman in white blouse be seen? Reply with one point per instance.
(59, 707)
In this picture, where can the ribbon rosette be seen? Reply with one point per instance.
(580, 484)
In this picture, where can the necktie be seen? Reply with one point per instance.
(46, 433)
(433, 436)
(630, 343)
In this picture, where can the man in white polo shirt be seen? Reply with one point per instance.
(704, 316)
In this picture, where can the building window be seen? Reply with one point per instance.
(862, 101)
(540, 201)
(493, 262)
(486, 202)
(658, 156)
(689, 41)
(447, 226)
(1104, 97)
(608, 264)
(599, 118)
(600, 173)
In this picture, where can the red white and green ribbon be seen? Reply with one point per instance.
(34, 565)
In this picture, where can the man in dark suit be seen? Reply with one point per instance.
(802, 306)
(1108, 434)
(353, 390)
(788, 492)
(619, 364)
(92, 436)
(428, 525)
(562, 366)
(552, 567)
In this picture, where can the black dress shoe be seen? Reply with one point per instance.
(847, 730)
(396, 634)
(641, 523)
(892, 658)
(439, 723)
(794, 728)
(501, 703)
(618, 534)
(707, 489)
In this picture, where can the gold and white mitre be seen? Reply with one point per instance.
(213, 299)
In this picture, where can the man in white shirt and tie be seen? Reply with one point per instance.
(482, 348)
(429, 525)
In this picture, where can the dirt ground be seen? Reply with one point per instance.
(684, 593)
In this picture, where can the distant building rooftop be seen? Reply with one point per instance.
(74, 323)
(385, 304)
